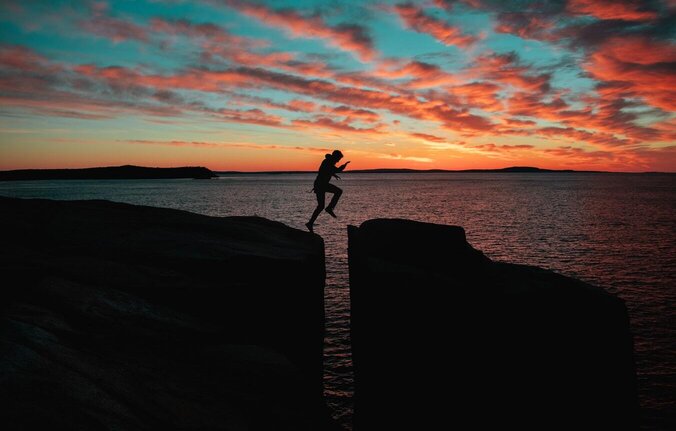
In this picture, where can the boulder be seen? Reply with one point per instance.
(443, 338)
(119, 316)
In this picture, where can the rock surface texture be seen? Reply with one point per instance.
(117, 316)
(445, 338)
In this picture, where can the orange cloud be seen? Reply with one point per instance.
(557, 109)
(427, 137)
(353, 113)
(627, 10)
(517, 122)
(525, 25)
(242, 77)
(575, 151)
(502, 148)
(126, 80)
(252, 116)
(402, 157)
(424, 74)
(505, 69)
(70, 105)
(343, 126)
(636, 66)
(597, 138)
(414, 18)
(227, 145)
(348, 37)
(483, 95)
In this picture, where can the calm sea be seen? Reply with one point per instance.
(617, 231)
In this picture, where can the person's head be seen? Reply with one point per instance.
(336, 155)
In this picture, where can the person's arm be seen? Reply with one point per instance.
(339, 169)
(342, 167)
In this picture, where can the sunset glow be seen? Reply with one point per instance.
(251, 85)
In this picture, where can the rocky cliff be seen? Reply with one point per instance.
(118, 316)
(445, 338)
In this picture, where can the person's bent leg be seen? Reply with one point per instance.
(334, 200)
(337, 191)
(320, 206)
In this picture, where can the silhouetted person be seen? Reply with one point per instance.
(327, 170)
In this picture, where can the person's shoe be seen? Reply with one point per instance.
(330, 211)
(310, 227)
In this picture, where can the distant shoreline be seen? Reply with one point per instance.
(129, 172)
(514, 169)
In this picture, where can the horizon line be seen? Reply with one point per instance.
(507, 169)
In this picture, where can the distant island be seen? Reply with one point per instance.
(517, 169)
(126, 172)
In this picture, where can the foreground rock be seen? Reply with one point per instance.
(445, 338)
(127, 317)
(126, 172)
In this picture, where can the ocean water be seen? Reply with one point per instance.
(617, 231)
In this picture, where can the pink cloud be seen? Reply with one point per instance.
(448, 4)
(208, 32)
(217, 42)
(302, 105)
(66, 104)
(26, 60)
(352, 38)
(200, 80)
(505, 68)
(115, 29)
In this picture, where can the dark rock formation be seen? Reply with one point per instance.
(126, 172)
(445, 338)
(117, 316)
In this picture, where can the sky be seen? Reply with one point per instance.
(274, 85)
